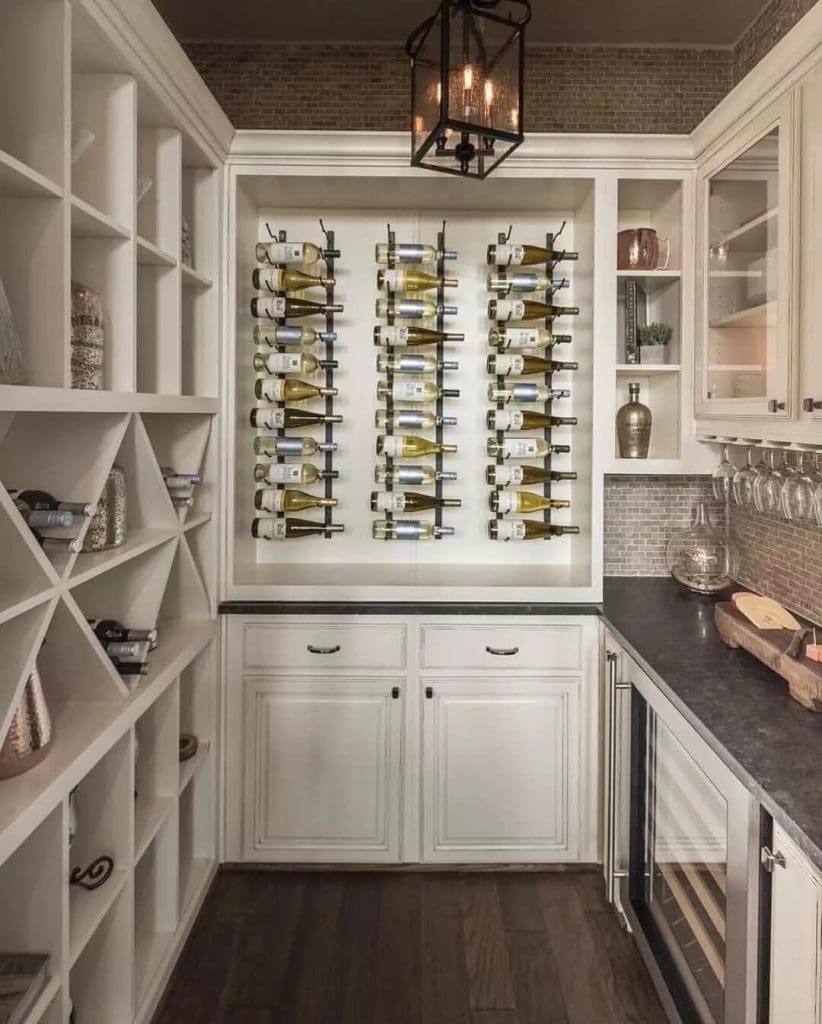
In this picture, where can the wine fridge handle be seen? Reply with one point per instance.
(322, 650)
(612, 824)
(503, 652)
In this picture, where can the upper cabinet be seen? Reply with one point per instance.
(747, 314)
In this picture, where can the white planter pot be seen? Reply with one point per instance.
(651, 355)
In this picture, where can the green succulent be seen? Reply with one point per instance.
(655, 334)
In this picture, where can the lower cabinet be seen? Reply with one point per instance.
(323, 768)
(499, 766)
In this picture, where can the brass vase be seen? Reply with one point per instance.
(30, 733)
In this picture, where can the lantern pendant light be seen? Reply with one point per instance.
(467, 70)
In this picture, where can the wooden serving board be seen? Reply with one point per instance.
(803, 676)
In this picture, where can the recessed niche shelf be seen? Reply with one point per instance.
(156, 768)
(100, 984)
(196, 829)
(151, 255)
(155, 905)
(87, 222)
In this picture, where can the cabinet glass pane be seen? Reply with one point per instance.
(686, 868)
(743, 227)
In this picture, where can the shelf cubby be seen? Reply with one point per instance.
(86, 222)
(180, 442)
(662, 298)
(661, 393)
(155, 902)
(74, 666)
(25, 572)
(158, 326)
(157, 734)
(654, 203)
(21, 637)
(196, 846)
(32, 237)
(200, 209)
(200, 365)
(197, 707)
(202, 550)
(101, 980)
(159, 161)
(33, 47)
(185, 597)
(104, 175)
(102, 804)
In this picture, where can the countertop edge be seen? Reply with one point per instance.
(403, 608)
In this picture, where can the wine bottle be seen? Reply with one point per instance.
(415, 476)
(288, 334)
(526, 255)
(409, 501)
(42, 501)
(404, 446)
(131, 668)
(173, 479)
(71, 544)
(505, 476)
(411, 309)
(279, 280)
(269, 500)
(401, 280)
(503, 310)
(277, 389)
(282, 419)
(46, 520)
(279, 306)
(291, 362)
(405, 252)
(293, 447)
(517, 283)
(526, 529)
(419, 390)
(525, 419)
(110, 631)
(401, 336)
(411, 419)
(516, 365)
(408, 529)
(284, 473)
(523, 448)
(525, 337)
(280, 529)
(523, 502)
(387, 362)
(179, 501)
(524, 392)
(128, 650)
(290, 253)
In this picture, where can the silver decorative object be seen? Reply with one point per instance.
(12, 370)
(186, 246)
(30, 733)
(87, 338)
(634, 427)
(109, 525)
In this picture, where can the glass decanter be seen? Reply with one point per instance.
(700, 558)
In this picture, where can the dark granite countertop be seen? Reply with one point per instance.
(742, 709)
(403, 608)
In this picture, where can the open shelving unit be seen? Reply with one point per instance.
(64, 220)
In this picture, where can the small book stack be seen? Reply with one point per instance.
(23, 977)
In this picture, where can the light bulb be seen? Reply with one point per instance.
(515, 118)
(468, 77)
(439, 92)
(489, 92)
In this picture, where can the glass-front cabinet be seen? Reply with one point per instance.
(746, 356)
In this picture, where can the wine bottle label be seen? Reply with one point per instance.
(409, 391)
(289, 445)
(507, 501)
(272, 307)
(409, 475)
(286, 252)
(390, 501)
(288, 335)
(407, 529)
(508, 419)
(273, 390)
(394, 279)
(408, 419)
(271, 529)
(273, 501)
(505, 366)
(393, 335)
(511, 255)
(524, 392)
(392, 446)
(520, 448)
(511, 529)
(410, 364)
(284, 362)
(510, 309)
(282, 473)
(270, 419)
(520, 337)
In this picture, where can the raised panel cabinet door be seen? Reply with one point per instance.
(500, 770)
(810, 345)
(795, 936)
(322, 778)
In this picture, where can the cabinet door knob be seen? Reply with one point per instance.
(503, 652)
(395, 692)
(775, 406)
(809, 404)
(429, 692)
(772, 859)
(323, 650)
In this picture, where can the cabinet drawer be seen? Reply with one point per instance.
(493, 646)
(323, 645)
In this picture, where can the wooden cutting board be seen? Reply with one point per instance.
(763, 612)
(803, 676)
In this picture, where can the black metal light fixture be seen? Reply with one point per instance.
(467, 71)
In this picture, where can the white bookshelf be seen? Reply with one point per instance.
(111, 948)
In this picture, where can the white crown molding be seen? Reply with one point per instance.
(136, 29)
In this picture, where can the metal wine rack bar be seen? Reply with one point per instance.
(440, 349)
(389, 374)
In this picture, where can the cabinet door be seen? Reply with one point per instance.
(748, 245)
(322, 775)
(795, 937)
(500, 770)
(810, 353)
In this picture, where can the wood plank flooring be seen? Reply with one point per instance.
(273, 947)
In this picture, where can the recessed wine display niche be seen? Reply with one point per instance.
(461, 220)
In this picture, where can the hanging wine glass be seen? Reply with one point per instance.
(723, 478)
(743, 482)
(816, 476)
(768, 487)
(798, 492)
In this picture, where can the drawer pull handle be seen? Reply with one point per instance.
(503, 652)
(395, 693)
(429, 693)
(323, 650)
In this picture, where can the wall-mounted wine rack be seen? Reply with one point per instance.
(329, 255)
(548, 267)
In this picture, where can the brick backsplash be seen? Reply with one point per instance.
(777, 558)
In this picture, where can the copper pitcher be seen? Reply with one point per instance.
(638, 249)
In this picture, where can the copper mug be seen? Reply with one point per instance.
(638, 249)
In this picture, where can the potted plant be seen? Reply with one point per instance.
(653, 339)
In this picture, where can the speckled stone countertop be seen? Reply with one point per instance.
(742, 709)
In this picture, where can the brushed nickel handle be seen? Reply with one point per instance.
(429, 693)
(809, 404)
(395, 693)
(774, 405)
(772, 859)
(323, 650)
(503, 652)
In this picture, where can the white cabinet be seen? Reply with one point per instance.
(810, 366)
(323, 768)
(796, 916)
(499, 769)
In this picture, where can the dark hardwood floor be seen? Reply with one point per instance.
(273, 947)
